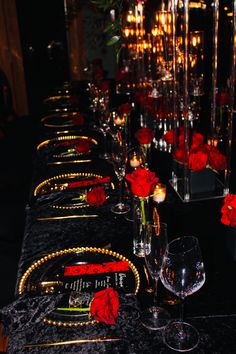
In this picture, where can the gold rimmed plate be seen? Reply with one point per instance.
(77, 272)
(60, 102)
(60, 120)
(69, 146)
(72, 188)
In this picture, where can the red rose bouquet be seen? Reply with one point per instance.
(228, 210)
(105, 306)
(201, 155)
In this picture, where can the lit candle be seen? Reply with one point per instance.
(159, 193)
(135, 161)
(119, 120)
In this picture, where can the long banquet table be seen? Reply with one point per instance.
(212, 309)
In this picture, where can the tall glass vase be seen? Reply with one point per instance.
(141, 219)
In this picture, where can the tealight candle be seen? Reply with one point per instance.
(119, 120)
(135, 161)
(159, 193)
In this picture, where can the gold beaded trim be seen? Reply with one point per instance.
(65, 138)
(37, 190)
(40, 262)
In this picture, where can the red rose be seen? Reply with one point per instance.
(125, 108)
(198, 159)
(217, 160)
(180, 154)
(98, 74)
(197, 140)
(169, 137)
(228, 210)
(104, 86)
(222, 98)
(74, 100)
(122, 75)
(83, 146)
(78, 119)
(144, 135)
(68, 142)
(96, 196)
(105, 305)
(181, 136)
(141, 181)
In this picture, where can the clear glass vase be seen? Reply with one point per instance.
(141, 212)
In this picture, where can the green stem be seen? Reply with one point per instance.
(143, 211)
(85, 309)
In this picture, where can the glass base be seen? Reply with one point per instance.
(105, 156)
(138, 250)
(155, 318)
(181, 336)
(130, 215)
(120, 208)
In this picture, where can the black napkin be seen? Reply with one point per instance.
(27, 311)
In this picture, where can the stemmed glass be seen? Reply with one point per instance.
(119, 160)
(183, 274)
(104, 118)
(155, 243)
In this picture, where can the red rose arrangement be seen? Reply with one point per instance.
(141, 183)
(105, 305)
(201, 155)
(228, 210)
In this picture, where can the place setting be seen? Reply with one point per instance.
(72, 195)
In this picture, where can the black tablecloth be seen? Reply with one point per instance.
(212, 309)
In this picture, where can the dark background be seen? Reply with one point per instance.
(45, 52)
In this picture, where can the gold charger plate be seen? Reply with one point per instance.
(59, 120)
(86, 180)
(69, 270)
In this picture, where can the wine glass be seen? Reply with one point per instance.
(183, 274)
(119, 160)
(155, 243)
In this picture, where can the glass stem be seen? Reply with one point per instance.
(155, 302)
(120, 190)
(181, 310)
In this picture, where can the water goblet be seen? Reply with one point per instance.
(183, 274)
(155, 242)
